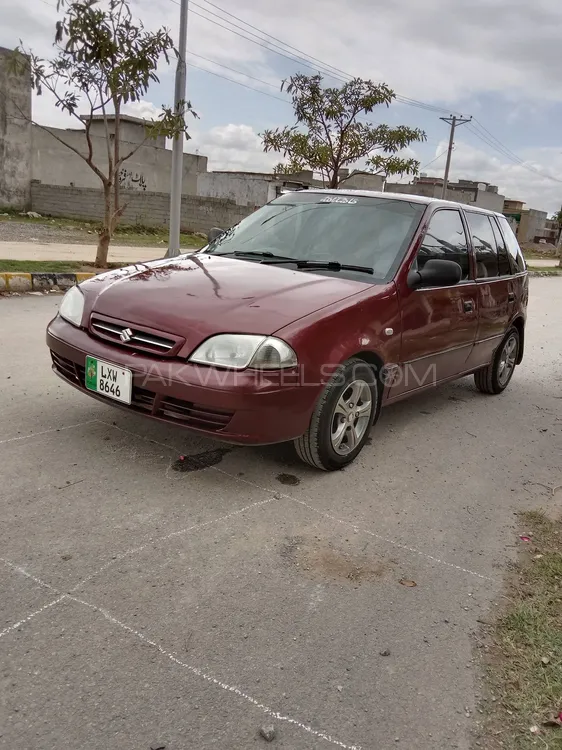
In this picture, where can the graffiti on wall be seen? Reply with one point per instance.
(131, 180)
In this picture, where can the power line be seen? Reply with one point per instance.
(425, 166)
(477, 128)
(258, 40)
(238, 72)
(504, 151)
(285, 44)
(327, 68)
(454, 122)
(238, 83)
(479, 125)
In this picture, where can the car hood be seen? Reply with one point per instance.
(199, 295)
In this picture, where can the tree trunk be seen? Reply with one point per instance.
(334, 180)
(105, 231)
(103, 248)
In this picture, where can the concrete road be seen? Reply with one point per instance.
(542, 262)
(77, 253)
(142, 607)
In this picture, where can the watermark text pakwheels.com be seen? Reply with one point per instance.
(158, 375)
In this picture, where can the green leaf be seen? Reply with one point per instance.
(328, 134)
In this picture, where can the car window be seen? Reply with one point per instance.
(512, 245)
(445, 239)
(325, 227)
(504, 264)
(484, 243)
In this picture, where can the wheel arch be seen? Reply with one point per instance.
(371, 358)
(519, 323)
(376, 362)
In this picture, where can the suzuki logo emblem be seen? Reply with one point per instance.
(126, 335)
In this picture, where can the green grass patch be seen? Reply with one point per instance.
(547, 255)
(525, 655)
(553, 270)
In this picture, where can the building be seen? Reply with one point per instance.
(530, 223)
(34, 153)
(257, 188)
(15, 135)
(480, 194)
(150, 168)
(552, 231)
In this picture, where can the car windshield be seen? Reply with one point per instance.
(369, 232)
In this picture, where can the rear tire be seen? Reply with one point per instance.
(495, 378)
(342, 418)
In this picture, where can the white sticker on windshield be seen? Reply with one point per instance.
(338, 199)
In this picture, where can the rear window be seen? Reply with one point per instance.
(512, 245)
(484, 244)
(373, 232)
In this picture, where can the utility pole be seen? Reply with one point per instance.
(453, 122)
(177, 152)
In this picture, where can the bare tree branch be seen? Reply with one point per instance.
(133, 151)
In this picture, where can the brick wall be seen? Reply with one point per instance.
(149, 209)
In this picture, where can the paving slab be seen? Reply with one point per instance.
(76, 252)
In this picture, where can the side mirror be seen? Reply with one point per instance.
(214, 233)
(436, 273)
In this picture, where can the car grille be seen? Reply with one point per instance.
(166, 408)
(135, 338)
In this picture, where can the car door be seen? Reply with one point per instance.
(494, 284)
(439, 324)
(519, 289)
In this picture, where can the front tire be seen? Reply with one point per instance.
(342, 418)
(495, 378)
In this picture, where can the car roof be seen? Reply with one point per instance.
(409, 197)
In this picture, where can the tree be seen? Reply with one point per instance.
(104, 60)
(328, 134)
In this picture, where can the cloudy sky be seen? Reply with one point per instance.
(497, 60)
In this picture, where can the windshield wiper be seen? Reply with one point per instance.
(331, 265)
(257, 253)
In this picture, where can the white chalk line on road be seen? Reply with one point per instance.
(218, 683)
(194, 670)
(47, 432)
(22, 571)
(361, 529)
(166, 537)
(19, 624)
(355, 527)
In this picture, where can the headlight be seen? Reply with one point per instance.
(72, 306)
(238, 351)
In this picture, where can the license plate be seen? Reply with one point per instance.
(110, 380)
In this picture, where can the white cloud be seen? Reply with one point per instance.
(436, 50)
(233, 147)
(514, 181)
(143, 109)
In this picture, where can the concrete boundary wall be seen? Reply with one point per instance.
(149, 209)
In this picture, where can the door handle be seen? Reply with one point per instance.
(468, 305)
(511, 296)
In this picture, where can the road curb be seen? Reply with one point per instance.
(39, 281)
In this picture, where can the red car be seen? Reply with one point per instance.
(303, 320)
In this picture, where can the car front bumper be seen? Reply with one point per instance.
(247, 407)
